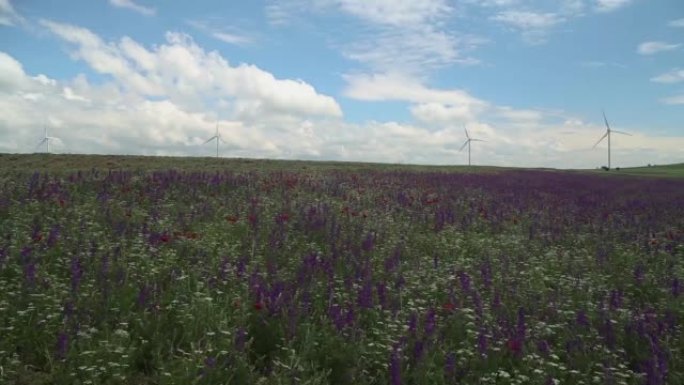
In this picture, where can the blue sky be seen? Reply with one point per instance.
(361, 80)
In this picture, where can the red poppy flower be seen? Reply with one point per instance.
(258, 306)
(514, 345)
(38, 237)
(449, 306)
(165, 238)
(232, 218)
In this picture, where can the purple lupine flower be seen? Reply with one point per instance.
(381, 290)
(412, 322)
(395, 368)
(29, 270)
(418, 349)
(615, 299)
(143, 296)
(76, 273)
(450, 366)
(521, 327)
(639, 272)
(430, 321)
(486, 272)
(608, 333)
(62, 345)
(543, 347)
(53, 236)
(368, 242)
(240, 339)
(3, 257)
(365, 295)
(335, 315)
(464, 278)
(482, 342)
(582, 319)
(676, 288)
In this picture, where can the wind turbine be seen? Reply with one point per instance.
(467, 143)
(216, 136)
(46, 140)
(607, 135)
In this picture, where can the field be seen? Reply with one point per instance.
(125, 270)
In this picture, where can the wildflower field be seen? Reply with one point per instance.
(340, 276)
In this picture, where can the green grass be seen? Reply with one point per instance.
(68, 163)
(669, 170)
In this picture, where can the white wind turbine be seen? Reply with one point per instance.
(216, 136)
(46, 139)
(467, 143)
(607, 135)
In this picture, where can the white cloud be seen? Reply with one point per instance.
(654, 47)
(226, 35)
(11, 71)
(601, 64)
(398, 13)
(383, 87)
(389, 35)
(679, 23)
(186, 74)
(8, 16)
(533, 25)
(130, 4)
(674, 76)
(528, 20)
(674, 100)
(610, 5)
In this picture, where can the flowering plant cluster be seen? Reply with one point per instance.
(340, 277)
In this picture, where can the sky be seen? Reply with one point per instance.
(393, 81)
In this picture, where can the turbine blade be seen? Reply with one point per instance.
(599, 141)
(466, 131)
(464, 144)
(209, 140)
(605, 120)
(477, 140)
(620, 132)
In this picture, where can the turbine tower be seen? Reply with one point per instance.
(467, 143)
(216, 136)
(607, 135)
(46, 139)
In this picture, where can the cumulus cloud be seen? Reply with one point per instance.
(188, 75)
(130, 4)
(654, 47)
(679, 23)
(165, 99)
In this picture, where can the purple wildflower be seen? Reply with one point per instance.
(395, 368)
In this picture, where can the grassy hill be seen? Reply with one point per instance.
(65, 163)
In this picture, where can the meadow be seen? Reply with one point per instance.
(122, 270)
